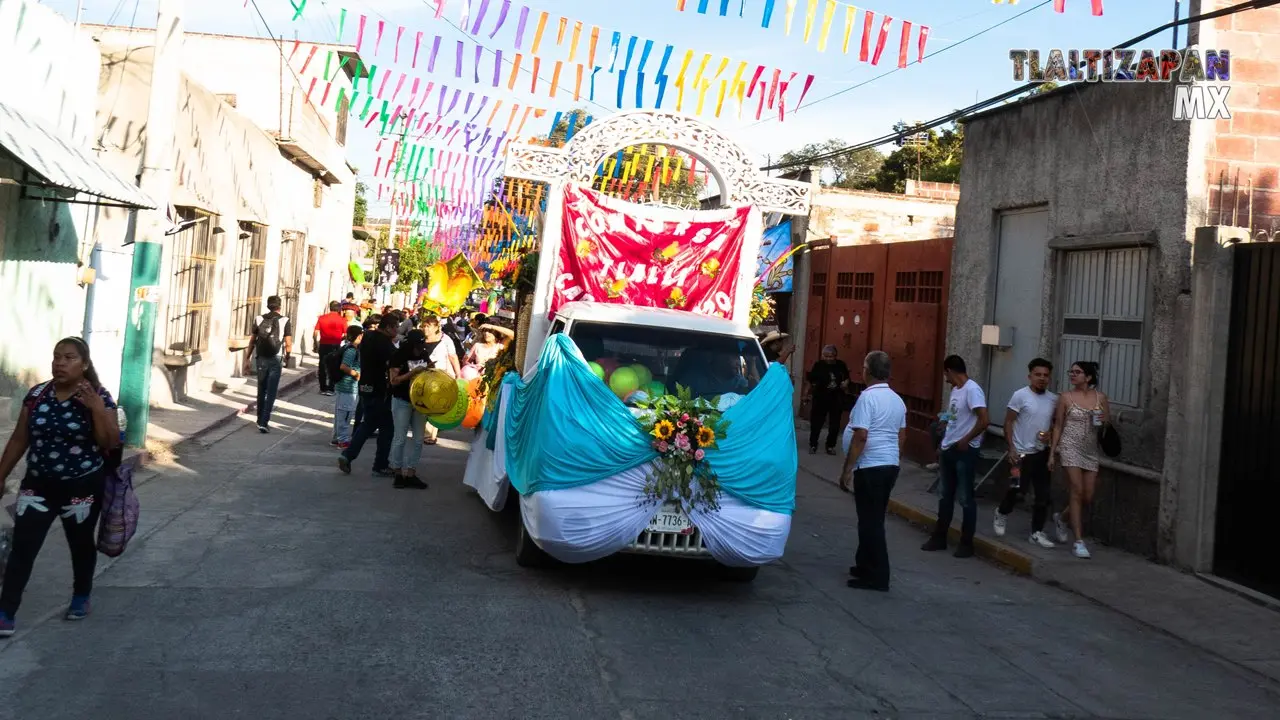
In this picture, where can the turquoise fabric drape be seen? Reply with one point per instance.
(566, 429)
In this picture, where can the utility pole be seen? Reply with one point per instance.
(156, 180)
(1177, 14)
(391, 235)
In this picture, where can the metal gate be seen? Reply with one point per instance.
(292, 249)
(1249, 476)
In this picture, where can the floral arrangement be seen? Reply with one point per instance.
(494, 371)
(761, 305)
(683, 429)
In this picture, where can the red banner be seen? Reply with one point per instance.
(616, 252)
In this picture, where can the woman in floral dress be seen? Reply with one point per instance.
(1081, 411)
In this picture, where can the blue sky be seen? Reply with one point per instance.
(953, 79)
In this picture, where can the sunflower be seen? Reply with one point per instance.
(663, 429)
(706, 436)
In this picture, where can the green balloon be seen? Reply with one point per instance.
(596, 369)
(655, 389)
(624, 381)
(642, 372)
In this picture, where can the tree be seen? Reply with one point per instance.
(1046, 87)
(938, 160)
(850, 170)
(361, 208)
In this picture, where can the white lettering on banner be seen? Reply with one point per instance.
(718, 243)
(580, 227)
(617, 222)
(682, 227)
(723, 301)
(597, 221)
(702, 236)
(668, 279)
(572, 293)
(563, 280)
(637, 275)
(652, 225)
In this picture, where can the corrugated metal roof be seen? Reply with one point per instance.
(60, 163)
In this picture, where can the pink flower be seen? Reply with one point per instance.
(663, 447)
(684, 417)
(699, 454)
(682, 442)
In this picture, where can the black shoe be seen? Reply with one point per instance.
(934, 544)
(860, 584)
(344, 464)
(263, 429)
(401, 482)
(813, 451)
(831, 451)
(413, 483)
(385, 472)
(965, 550)
(855, 571)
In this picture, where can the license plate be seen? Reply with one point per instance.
(670, 520)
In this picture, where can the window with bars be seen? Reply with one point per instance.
(250, 275)
(844, 286)
(819, 284)
(864, 286)
(922, 286)
(1104, 318)
(904, 287)
(190, 288)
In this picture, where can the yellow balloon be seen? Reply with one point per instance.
(433, 392)
(454, 415)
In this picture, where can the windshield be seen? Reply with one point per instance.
(707, 364)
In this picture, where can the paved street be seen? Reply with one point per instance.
(265, 584)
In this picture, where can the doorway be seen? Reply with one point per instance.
(1018, 303)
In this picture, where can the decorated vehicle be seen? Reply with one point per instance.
(645, 417)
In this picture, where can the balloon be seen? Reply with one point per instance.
(470, 371)
(624, 381)
(655, 389)
(475, 413)
(643, 372)
(454, 415)
(637, 396)
(609, 365)
(596, 369)
(433, 392)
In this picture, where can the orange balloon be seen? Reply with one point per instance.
(475, 413)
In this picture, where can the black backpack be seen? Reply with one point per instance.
(333, 362)
(267, 336)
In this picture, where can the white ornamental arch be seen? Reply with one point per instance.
(740, 184)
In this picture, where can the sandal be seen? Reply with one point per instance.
(430, 441)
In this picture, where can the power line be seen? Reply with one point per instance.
(935, 53)
(285, 58)
(983, 104)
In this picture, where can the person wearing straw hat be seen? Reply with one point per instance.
(774, 349)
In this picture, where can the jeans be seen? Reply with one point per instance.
(377, 418)
(53, 498)
(1035, 473)
(828, 410)
(344, 410)
(405, 454)
(326, 382)
(956, 468)
(268, 385)
(871, 489)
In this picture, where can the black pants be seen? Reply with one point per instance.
(871, 489)
(1035, 474)
(327, 381)
(377, 418)
(78, 501)
(825, 410)
(359, 410)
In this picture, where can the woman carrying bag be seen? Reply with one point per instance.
(67, 429)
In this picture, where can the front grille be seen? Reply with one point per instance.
(664, 543)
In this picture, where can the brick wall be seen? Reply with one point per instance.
(1247, 146)
(933, 190)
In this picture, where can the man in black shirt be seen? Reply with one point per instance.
(376, 349)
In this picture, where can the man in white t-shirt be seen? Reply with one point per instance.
(966, 419)
(1028, 424)
(873, 442)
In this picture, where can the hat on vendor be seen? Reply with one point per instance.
(773, 336)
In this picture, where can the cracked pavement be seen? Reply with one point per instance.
(265, 584)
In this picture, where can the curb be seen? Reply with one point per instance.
(1017, 562)
(140, 457)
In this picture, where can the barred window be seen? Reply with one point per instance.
(819, 284)
(190, 288)
(864, 286)
(1104, 319)
(250, 275)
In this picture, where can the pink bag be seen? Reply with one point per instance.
(119, 520)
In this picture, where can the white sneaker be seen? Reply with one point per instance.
(931, 467)
(999, 524)
(1039, 538)
(1063, 535)
(1081, 551)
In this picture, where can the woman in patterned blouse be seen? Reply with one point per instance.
(67, 430)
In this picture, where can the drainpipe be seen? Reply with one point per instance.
(156, 180)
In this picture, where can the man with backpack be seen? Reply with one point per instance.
(271, 347)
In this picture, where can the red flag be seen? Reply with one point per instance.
(382, 24)
(867, 18)
(1059, 5)
(880, 41)
(399, 34)
(808, 82)
(1097, 7)
(902, 46)
(924, 37)
(360, 33)
(417, 43)
(773, 88)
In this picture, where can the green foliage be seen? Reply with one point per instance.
(361, 209)
(854, 170)
(761, 305)
(415, 258)
(684, 429)
(939, 160)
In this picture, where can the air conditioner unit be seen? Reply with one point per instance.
(997, 336)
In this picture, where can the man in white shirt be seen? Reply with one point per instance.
(873, 442)
(966, 422)
(1027, 426)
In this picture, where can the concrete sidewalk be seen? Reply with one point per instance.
(1190, 608)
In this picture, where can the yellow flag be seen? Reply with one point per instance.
(724, 86)
(849, 21)
(808, 19)
(791, 14)
(826, 25)
(684, 67)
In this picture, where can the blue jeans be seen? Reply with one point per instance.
(268, 386)
(377, 417)
(344, 410)
(956, 468)
(405, 454)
